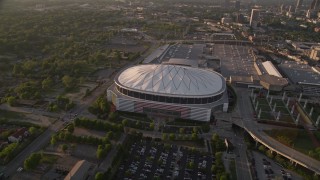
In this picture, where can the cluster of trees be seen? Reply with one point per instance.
(28, 90)
(100, 107)
(99, 176)
(11, 100)
(8, 152)
(68, 137)
(103, 150)
(61, 52)
(149, 126)
(32, 161)
(97, 125)
(315, 153)
(218, 168)
(5, 134)
(25, 90)
(217, 143)
(61, 103)
(172, 137)
(69, 82)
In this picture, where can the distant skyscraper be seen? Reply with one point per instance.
(298, 5)
(240, 18)
(254, 19)
(281, 8)
(237, 5)
(227, 3)
(315, 5)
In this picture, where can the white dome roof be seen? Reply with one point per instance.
(171, 80)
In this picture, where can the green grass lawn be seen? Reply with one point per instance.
(48, 159)
(316, 111)
(282, 109)
(279, 102)
(264, 108)
(263, 101)
(317, 135)
(10, 114)
(267, 116)
(295, 138)
(286, 118)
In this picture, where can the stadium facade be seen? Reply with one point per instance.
(174, 91)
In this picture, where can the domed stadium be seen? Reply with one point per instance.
(170, 90)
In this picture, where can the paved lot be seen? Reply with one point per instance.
(235, 60)
(184, 51)
(267, 169)
(149, 160)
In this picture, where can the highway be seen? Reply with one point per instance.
(256, 131)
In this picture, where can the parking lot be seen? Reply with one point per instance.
(184, 51)
(267, 169)
(152, 160)
(235, 60)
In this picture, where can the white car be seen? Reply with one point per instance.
(19, 169)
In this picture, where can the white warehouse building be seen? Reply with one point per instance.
(167, 90)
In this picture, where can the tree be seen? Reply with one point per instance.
(32, 161)
(262, 148)
(109, 135)
(32, 130)
(181, 130)
(68, 82)
(224, 177)
(124, 122)
(64, 147)
(47, 83)
(164, 136)
(215, 137)
(53, 140)
(191, 165)
(195, 130)
(102, 151)
(8, 150)
(11, 100)
(172, 136)
(194, 136)
(71, 128)
(99, 176)
(151, 125)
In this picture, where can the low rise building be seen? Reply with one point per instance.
(79, 171)
(315, 53)
(18, 135)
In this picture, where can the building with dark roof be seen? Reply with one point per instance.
(79, 171)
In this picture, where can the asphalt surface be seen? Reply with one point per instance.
(235, 60)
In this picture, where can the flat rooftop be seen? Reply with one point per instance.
(184, 51)
(235, 60)
(298, 72)
(155, 55)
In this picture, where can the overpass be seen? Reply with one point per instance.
(285, 151)
(230, 42)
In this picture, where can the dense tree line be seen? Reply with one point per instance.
(100, 107)
(68, 137)
(61, 103)
(97, 125)
(32, 161)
